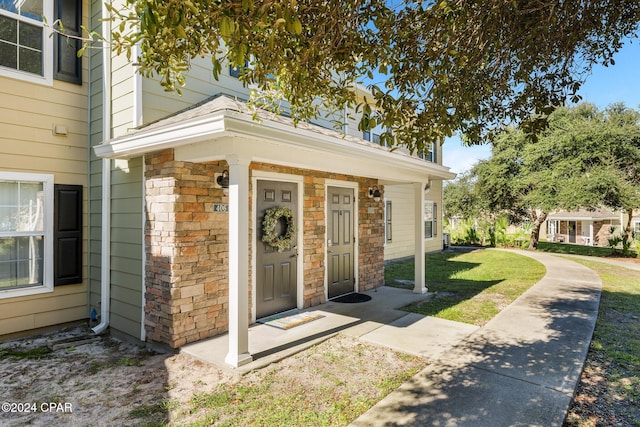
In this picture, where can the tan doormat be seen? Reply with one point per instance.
(290, 319)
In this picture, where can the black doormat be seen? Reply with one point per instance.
(352, 298)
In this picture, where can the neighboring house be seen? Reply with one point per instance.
(175, 227)
(583, 227)
(43, 167)
(635, 223)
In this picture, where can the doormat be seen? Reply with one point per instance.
(290, 319)
(352, 298)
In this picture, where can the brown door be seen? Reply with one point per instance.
(276, 284)
(572, 232)
(340, 241)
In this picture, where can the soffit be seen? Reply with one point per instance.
(222, 127)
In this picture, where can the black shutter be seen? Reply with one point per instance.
(67, 234)
(68, 67)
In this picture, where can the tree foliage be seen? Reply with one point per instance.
(586, 158)
(433, 68)
(460, 198)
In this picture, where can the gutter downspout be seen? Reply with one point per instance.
(137, 121)
(105, 273)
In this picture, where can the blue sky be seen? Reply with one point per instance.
(605, 85)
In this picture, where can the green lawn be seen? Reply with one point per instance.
(609, 392)
(564, 248)
(469, 287)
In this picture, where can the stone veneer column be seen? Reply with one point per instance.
(370, 237)
(186, 251)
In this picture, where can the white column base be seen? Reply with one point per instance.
(237, 360)
(422, 290)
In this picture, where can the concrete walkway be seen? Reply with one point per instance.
(519, 369)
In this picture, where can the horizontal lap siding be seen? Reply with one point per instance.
(199, 86)
(28, 114)
(95, 164)
(126, 247)
(403, 229)
(126, 198)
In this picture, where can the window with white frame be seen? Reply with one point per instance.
(430, 219)
(553, 227)
(429, 153)
(26, 234)
(636, 227)
(26, 50)
(374, 137)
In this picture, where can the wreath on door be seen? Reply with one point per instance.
(269, 234)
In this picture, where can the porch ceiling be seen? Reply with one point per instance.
(223, 127)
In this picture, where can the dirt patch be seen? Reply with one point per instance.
(109, 382)
(95, 383)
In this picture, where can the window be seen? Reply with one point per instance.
(552, 227)
(372, 137)
(430, 219)
(636, 228)
(387, 221)
(25, 46)
(429, 153)
(26, 234)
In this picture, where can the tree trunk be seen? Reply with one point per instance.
(627, 229)
(538, 219)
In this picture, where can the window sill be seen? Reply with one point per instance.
(27, 77)
(24, 292)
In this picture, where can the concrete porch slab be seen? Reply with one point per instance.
(268, 344)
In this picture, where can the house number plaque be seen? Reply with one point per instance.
(220, 207)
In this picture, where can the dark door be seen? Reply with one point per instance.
(276, 274)
(340, 241)
(572, 231)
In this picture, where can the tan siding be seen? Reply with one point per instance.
(402, 244)
(28, 113)
(64, 315)
(403, 230)
(65, 304)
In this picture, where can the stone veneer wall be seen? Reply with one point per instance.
(186, 245)
(601, 233)
(186, 251)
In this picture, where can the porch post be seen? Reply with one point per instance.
(238, 354)
(419, 287)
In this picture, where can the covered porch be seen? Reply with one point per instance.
(212, 172)
(582, 227)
